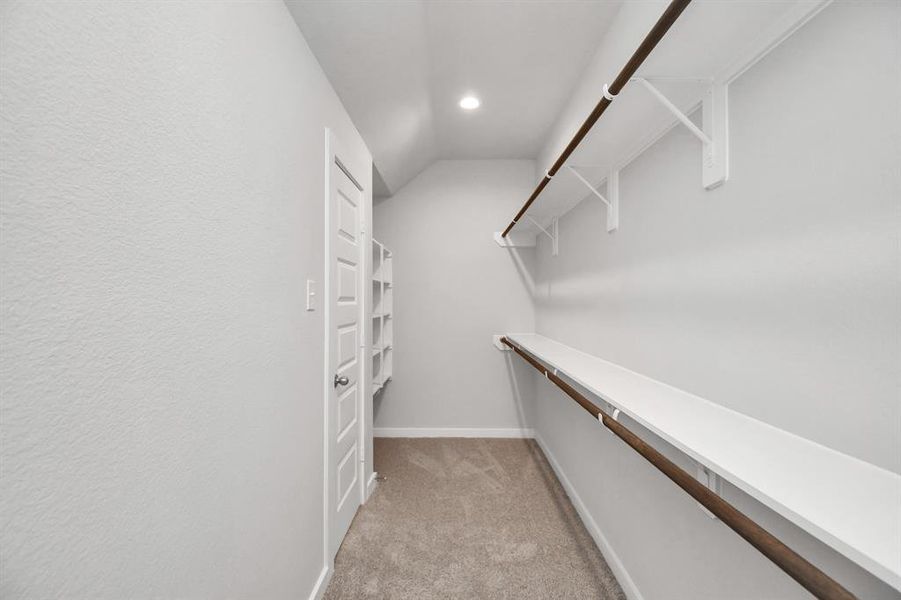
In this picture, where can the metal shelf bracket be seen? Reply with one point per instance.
(554, 233)
(612, 202)
(711, 481)
(714, 135)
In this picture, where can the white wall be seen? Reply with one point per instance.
(776, 295)
(162, 204)
(454, 288)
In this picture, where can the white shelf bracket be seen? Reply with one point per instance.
(711, 481)
(714, 136)
(553, 234)
(612, 202)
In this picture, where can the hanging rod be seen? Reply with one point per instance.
(650, 41)
(795, 566)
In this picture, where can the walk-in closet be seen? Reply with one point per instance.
(444, 299)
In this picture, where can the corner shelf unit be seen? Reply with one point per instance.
(847, 503)
(382, 316)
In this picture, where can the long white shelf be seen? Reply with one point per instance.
(849, 504)
(711, 41)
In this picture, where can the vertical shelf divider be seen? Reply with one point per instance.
(382, 316)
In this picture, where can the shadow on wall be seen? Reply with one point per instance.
(525, 263)
(581, 286)
(586, 290)
(377, 403)
(514, 378)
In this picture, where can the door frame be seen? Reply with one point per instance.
(334, 151)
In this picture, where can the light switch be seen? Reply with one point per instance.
(311, 294)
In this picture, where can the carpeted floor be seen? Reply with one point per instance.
(468, 518)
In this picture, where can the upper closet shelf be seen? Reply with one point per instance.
(711, 44)
(849, 504)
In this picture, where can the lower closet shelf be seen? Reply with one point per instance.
(849, 504)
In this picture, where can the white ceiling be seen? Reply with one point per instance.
(401, 66)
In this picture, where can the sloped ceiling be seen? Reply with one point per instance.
(400, 67)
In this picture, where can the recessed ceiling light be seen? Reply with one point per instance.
(469, 102)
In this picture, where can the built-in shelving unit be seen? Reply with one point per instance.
(382, 316)
(849, 504)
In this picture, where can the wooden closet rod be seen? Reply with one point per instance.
(814, 581)
(651, 40)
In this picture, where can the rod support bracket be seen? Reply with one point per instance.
(611, 200)
(608, 94)
(713, 134)
(553, 234)
(715, 119)
(711, 481)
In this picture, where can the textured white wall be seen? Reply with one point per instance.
(776, 295)
(162, 205)
(454, 288)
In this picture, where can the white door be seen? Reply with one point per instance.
(344, 352)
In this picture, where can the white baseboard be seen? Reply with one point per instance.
(321, 583)
(450, 432)
(370, 485)
(616, 565)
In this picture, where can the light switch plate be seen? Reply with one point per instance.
(311, 294)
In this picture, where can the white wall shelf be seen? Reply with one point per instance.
(382, 323)
(851, 505)
(688, 75)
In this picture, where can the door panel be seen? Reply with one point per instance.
(347, 412)
(348, 468)
(345, 341)
(347, 283)
(347, 346)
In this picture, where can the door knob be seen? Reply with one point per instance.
(341, 380)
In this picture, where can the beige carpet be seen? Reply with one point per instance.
(468, 518)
